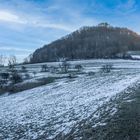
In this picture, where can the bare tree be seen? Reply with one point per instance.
(44, 68)
(64, 66)
(12, 61)
(25, 61)
(2, 60)
(107, 68)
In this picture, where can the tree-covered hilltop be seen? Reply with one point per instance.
(102, 41)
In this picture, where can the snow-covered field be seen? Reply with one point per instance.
(57, 107)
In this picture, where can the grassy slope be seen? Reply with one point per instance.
(123, 125)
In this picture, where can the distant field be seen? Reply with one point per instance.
(93, 63)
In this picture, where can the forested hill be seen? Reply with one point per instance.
(102, 41)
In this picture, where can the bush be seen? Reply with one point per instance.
(44, 68)
(71, 76)
(16, 78)
(2, 83)
(23, 69)
(91, 73)
(27, 76)
(52, 69)
(3, 79)
(4, 75)
(34, 73)
(107, 68)
(29, 85)
(78, 67)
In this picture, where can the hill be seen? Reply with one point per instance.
(102, 41)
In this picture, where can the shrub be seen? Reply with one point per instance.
(53, 69)
(4, 75)
(23, 69)
(16, 78)
(34, 73)
(91, 73)
(27, 76)
(29, 85)
(2, 83)
(107, 68)
(44, 68)
(71, 75)
(78, 67)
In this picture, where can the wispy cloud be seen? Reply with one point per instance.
(11, 18)
(6, 48)
(128, 7)
(6, 16)
(57, 14)
(44, 24)
(130, 4)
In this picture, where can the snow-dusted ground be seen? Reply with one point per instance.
(57, 107)
(94, 63)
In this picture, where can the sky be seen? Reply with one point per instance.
(26, 25)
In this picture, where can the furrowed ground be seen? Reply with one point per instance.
(122, 124)
(70, 108)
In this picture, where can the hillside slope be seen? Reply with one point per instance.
(46, 112)
(102, 41)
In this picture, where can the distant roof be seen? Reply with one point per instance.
(133, 52)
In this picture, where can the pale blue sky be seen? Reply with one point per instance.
(26, 25)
